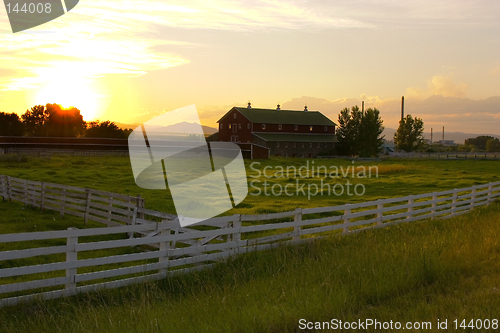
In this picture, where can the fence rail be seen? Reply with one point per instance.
(112, 209)
(448, 156)
(75, 261)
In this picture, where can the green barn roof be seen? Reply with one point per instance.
(272, 116)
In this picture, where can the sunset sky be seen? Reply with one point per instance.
(128, 61)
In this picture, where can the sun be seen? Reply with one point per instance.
(69, 92)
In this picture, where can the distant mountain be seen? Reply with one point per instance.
(183, 127)
(458, 137)
(208, 129)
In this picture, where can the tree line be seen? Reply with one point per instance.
(360, 133)
(52, 120)
(483, 142)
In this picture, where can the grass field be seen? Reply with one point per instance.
(395, 178)
(440, 269)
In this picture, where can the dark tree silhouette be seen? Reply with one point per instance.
(64, 122)
(10, 125)
(105, 129)
(35, 121)
(478, 142)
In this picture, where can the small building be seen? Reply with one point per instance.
(446, 142)
(286, 133)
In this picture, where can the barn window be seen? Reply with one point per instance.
(326, 128)
(280, 127)
(229, 126)
(248, 126)
(286, 144)
(263, 126)
(239, 126)
(234, 114)
(310, 128)
(296, 127)
(220, 126)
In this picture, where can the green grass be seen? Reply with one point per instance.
(395, 178)
(410, 272)
(440, 269)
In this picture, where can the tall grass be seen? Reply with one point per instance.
(424, 271)
(395, 178)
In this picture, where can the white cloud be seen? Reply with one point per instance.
(439, 85)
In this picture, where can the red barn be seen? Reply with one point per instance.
(285, 132)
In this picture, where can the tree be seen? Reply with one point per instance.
(493, 145)
(35, 121)
(358, 133)
(10, 125)
(479, 142)
(348, 130)
(371, 128)
(409, 135)
(105, 129)
(64, 122)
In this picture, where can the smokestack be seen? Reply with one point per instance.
(402, 107)
(363, 107)
(443, 133)
(431, 135)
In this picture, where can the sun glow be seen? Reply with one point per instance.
(68, 93)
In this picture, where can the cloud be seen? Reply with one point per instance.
(445, 86)
(456, 113)
(122, 37)
(439, 85)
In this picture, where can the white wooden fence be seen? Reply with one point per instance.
(448, 156)
(112, 209)
(74, 261)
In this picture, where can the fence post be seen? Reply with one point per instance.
(164, 258)
(297, 227)
(134, 217)
(26, 199)
(454, 201)
(87, 205)
(3, 182)
(434, 204)
(110, 209)
(9, 189)
(71, 256)
(63, 202)
(345, 230)
(140, 204)
(380, 215)
(410, 208)
(42, 196)
(236, 235)
(490, 192)
(473, 197)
